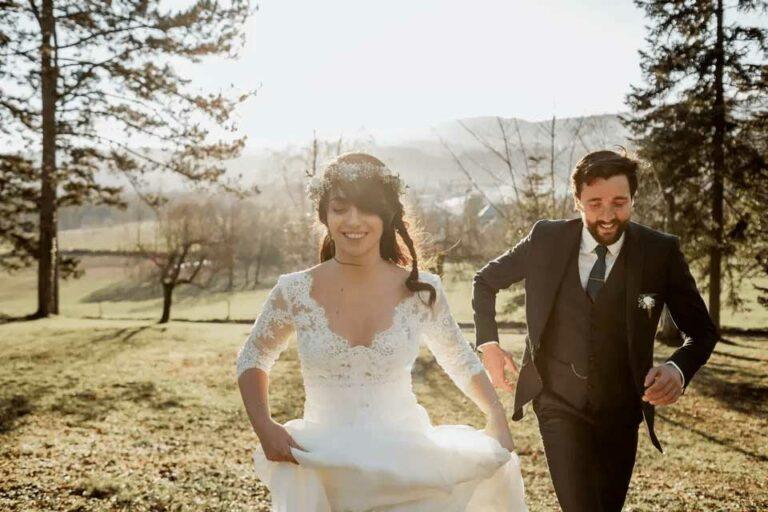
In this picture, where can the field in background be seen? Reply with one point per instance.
(129, 415)
(120, 237)
(110, 288)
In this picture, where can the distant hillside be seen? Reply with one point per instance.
(421, 159)
(428, 160)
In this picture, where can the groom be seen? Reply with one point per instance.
(595, 288)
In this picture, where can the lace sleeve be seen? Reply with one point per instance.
(269, 334)
(445, 340)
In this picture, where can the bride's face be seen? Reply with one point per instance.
(355, 232)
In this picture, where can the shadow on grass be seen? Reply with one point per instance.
(134, 290)
(7, 319)
(760, 457)
(740, 357)
(121, 335)
(11, 409)
(125, 291)
(735, 383)
(17, 403)
(735, 389)
(86, 405)
(95, 404)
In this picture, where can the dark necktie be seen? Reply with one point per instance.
(597, 276)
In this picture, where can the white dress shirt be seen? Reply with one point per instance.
(587, 260)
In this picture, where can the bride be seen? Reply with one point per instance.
(364, 443)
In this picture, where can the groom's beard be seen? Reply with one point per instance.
(620, 227)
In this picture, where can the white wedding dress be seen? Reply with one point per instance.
(370, 445)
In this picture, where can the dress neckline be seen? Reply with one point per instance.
(309, 277)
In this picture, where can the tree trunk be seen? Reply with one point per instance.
(257, 270)
(167, 299)
(230, 276)
(56, 276)
(47, 256)
(718, 163)
(247, 269)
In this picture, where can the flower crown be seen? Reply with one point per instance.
(342, 171)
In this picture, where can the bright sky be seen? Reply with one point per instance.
(390, 67)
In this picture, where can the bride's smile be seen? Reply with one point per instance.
(356, 233)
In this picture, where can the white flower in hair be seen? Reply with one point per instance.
(357, 170)
(315, 182)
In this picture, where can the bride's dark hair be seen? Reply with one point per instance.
(366, 182)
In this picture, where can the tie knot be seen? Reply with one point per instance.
(601, 251)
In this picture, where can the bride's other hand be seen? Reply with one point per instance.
(277, 442)
(498, 428)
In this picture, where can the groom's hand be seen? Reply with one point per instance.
(496, 360)
(663, 385)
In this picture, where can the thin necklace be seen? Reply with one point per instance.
(352, 264)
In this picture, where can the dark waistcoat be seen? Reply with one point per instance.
(585, 356)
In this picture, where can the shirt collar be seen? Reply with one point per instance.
(588, 242)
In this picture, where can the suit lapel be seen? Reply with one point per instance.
(635, 257)
(548, 283)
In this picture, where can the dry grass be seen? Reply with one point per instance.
(129, 415)
(111, 289)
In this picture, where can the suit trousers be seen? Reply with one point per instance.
(590, 463)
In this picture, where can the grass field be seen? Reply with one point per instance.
(103, 409)
(131, 415)
(110, 289)
(119, 237)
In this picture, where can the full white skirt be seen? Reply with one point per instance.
(376, 450)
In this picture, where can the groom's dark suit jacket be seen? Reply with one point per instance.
(654, 266)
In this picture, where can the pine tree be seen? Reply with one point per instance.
(85, 85)
(699, 120)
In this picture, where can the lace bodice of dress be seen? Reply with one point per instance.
(327, 359)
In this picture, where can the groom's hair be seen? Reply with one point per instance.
(604, 164)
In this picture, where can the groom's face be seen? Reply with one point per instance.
(606, 207)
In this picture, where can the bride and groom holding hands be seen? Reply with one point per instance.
(595, 288)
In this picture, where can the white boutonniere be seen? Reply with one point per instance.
(646, 301)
